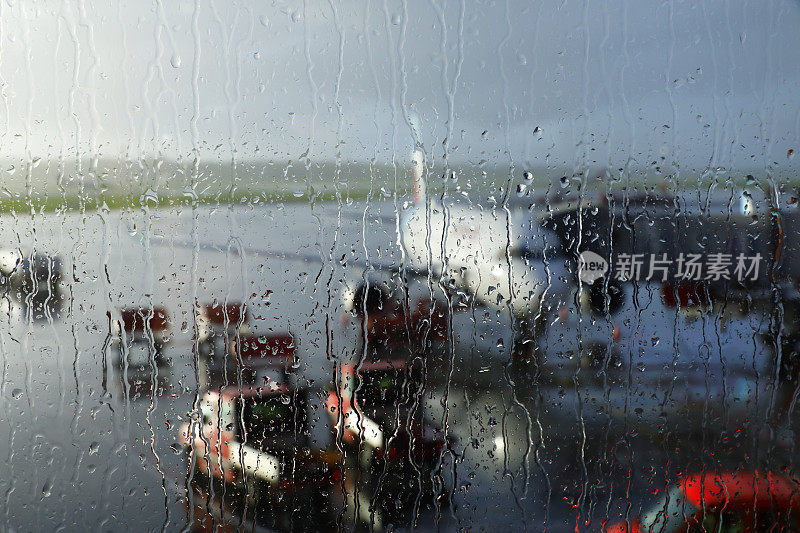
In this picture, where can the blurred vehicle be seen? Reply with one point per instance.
(229, 352)
(741, 502)
(256, 441)
(375, 411)
(141, 334)
(394, 321)
(218, 323)
(265, 359)
(33, 279)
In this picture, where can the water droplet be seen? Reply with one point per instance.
(537, 132)
(47, 489)
(500, 343)
(564, 182)
(16, 394)
(396, 19)
(522, 189)
(790, 154)
(264, 20)
(94, 447)
(528, 177)
(522, 60)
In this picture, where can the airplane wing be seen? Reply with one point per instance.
(309, 257)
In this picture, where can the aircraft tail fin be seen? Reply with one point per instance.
(417, 176)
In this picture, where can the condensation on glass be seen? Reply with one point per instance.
(388, 265)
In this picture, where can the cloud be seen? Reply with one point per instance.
(698, 83)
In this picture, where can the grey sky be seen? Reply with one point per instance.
(704, 84)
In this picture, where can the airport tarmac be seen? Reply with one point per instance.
(86, 452)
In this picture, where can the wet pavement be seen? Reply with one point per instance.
(539, 445)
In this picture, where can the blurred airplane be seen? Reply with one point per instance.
(494, 255)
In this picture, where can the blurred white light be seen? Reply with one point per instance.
(499, 443)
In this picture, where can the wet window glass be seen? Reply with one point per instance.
(383, 265)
